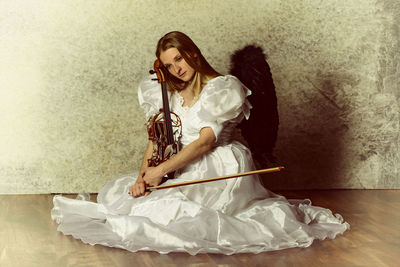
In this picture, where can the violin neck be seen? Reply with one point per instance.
(167, 113)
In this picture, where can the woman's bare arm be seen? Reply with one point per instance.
(192, 151)
(139, 187)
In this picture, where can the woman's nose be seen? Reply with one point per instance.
(177, 69)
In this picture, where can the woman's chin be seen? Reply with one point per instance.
(187, 77)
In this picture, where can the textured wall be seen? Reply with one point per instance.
(69, 72)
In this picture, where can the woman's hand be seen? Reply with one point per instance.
(139, 188)
(153, 175)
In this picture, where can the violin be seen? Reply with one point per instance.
(164, 128)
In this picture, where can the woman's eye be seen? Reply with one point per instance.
(167, 67)
(178, 59)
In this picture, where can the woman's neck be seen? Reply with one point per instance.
(187, 94)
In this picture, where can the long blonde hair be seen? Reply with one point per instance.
(192, 55)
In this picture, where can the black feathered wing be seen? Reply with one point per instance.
(249, 65)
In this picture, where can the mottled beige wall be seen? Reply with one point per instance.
(69, 72)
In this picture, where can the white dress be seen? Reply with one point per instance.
(229, 216)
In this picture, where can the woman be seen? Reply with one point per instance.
(187, 72)
(229, 216)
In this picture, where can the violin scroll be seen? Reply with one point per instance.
(157, 69)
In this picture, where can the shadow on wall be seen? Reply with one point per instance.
(312, 146)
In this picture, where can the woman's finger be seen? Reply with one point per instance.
(142, 188)
(131, 190)
(136, 191)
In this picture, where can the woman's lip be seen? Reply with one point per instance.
(183, 74)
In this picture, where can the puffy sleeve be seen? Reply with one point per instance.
(222, 99)
(149, 95)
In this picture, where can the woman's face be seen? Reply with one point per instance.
(176, 64)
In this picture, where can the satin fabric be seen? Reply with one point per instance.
(229, 216)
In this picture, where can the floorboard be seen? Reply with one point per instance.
(28, 237)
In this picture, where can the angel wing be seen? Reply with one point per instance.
(250, 66)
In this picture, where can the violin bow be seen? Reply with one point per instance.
(158, 187)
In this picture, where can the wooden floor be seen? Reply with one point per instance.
(28, 237)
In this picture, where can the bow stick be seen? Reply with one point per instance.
(158, 187)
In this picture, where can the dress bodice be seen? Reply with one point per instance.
(222, 104)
